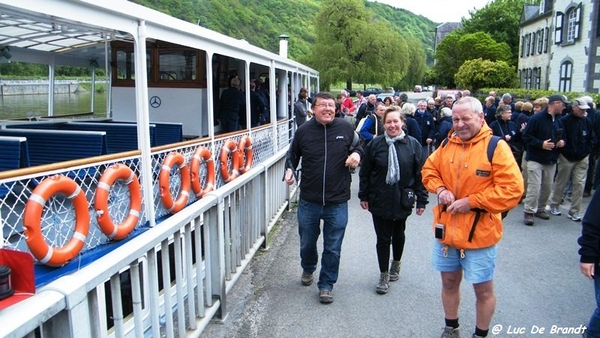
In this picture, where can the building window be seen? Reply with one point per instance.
(522, 45)
(546, 38)
(573, 23)
(527, 40)
(566, 73)
(540, 42)
(558, 31)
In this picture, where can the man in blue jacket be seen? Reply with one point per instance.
(542, 137)
(328, 147)
(427, 126)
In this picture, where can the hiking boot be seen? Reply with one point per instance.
(306, 279)
(395, 271)
(383, 285)
(542, 214)
(574, 216)
(450, 332)
(326, 296)
(555, 211)
(528, 218)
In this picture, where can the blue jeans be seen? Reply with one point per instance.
(593, 328)
(230, 122)
(335, 219)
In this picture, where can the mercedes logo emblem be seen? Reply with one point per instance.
(155, 101)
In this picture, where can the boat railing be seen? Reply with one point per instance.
(168, 279)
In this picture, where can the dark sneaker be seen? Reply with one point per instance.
(326, 296)
(542, 214)
(574, 216)
(450, 332)
(384, 283)
(306, 278)
(395, 271)
(528, 219)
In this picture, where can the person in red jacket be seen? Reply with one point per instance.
(472, 194)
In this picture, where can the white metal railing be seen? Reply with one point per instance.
(209, 243)
(171, 279)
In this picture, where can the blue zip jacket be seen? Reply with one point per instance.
(540, 127)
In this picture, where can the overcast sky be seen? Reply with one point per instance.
(438, 10)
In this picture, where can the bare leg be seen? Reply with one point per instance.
(451, 293)
(486, 303)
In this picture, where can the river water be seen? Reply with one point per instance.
(22, 106)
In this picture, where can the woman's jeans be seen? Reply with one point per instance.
(335, 219)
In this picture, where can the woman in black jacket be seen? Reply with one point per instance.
(390, 181)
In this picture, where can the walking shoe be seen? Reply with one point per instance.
(555, 211)
(541, 214)
(587, 193)
(574, 216)
(326, 296)
(395, 271)
(528, 218)
(476, 336)
(450, 332)
(306, 278)
(383, 285)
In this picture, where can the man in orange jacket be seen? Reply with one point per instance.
(472, 194)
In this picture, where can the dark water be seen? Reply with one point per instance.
(21, 106)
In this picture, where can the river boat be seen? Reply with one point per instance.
(137, 220)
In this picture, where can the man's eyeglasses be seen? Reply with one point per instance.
(325, 105)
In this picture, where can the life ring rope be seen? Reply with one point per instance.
(164, 179)
(34, 209)
(229, 147)
(202, 156)
(108, 179)
(245, 147)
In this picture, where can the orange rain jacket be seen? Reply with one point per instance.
(492, 188)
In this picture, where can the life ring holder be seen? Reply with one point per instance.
(34, 208)
(245, 147)
(164, 181)
(229, 147)
(107, 180)
(202, 155)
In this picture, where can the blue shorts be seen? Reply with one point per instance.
(477, 265)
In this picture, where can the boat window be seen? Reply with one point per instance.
(177, 65)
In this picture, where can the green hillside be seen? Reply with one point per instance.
(260, 22)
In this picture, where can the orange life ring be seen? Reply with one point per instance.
(164, 181)
(109, 177)
(229, 147)
(202, 154)
(33, 214)
(245, 147)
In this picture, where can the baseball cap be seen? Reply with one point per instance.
(581, 103)
(558, 97)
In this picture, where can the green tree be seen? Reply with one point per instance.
(499, 18)
(416, 65)
(351, 46)
(480, 73)
(459, 47)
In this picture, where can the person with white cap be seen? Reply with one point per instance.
(542, 137)
(573, 159)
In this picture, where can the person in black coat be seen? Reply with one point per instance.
(390, 183)
(509, 131)
(589, 251)
(410, 125)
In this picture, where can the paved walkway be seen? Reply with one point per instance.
(538, 285)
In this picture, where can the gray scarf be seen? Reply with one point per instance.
(393, 172)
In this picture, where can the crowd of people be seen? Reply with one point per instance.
(547, 156)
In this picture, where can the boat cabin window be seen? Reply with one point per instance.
(168, 65)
